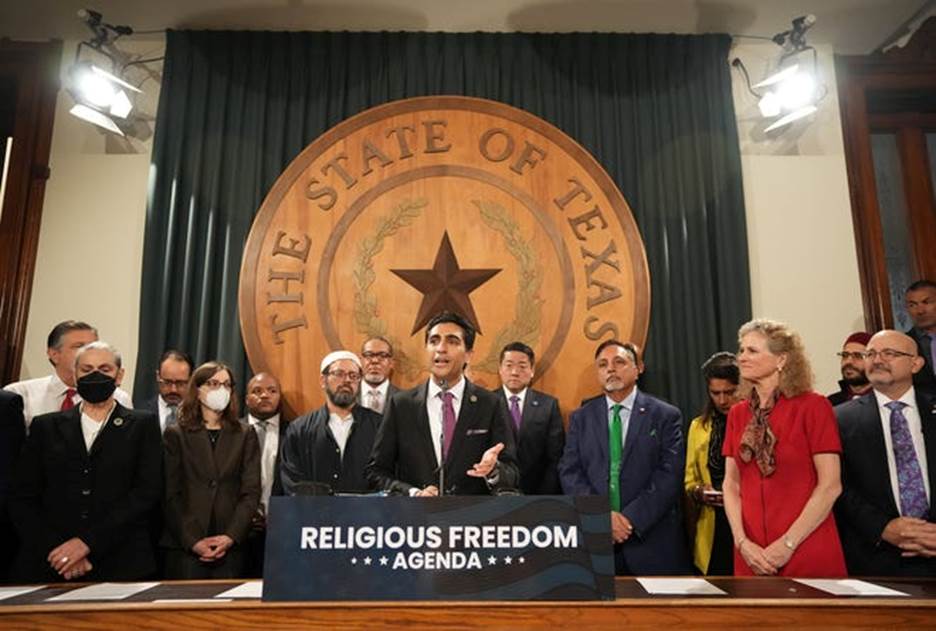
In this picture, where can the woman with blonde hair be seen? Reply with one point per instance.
(712, 545)
(782, 467)
(212, 480)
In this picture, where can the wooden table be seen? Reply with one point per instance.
(749, 603)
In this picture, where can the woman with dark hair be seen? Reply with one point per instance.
(212, 480)
(712, 546)
(782, 468)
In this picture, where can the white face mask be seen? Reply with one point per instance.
(217, 399)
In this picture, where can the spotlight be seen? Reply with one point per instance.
(100, 97)
(793, 90)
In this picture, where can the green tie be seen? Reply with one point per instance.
(614, 444)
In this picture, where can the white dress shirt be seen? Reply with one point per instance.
(340, 428)
(381, 390)
(627, 406)
(267, 456)
(45, 394)
(912, 414)
(520, 395)
(90, 428)
(434, 408)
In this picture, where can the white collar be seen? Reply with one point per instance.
(908, 397)
(457, 390)
(520, 395)
(56, 385)
(273, 421)
(627, 403)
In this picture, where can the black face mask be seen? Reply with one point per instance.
(96, 387)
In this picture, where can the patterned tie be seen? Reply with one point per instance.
(614, 444)
(374, 401)
(448, 421)
(67, 402)
(909, 476)
(515, 410)
(172, 417)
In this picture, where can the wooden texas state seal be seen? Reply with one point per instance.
(442, 203)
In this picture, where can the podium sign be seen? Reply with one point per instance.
(447, 548)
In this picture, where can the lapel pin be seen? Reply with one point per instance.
(535, 403)
(473, 398)
(118, 422)
(643, 410)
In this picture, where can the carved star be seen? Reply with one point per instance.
(446, 286)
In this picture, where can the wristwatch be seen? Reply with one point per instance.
(789, 543)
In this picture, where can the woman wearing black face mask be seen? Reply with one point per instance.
(212, 480)
(86, 483)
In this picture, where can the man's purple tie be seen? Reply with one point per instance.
(515, 410)
(448, 421)
(909, 476)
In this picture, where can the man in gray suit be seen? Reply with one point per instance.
(377, 356)
(535, 420)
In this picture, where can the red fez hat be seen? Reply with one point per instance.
(859, 338)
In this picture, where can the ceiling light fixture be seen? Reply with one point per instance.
(793, 90)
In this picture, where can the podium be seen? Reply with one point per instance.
(442, 548)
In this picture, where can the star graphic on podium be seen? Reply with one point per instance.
(446, 286)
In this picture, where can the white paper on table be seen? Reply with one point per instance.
(13, 591)
(104, 591)
(250, 589)
(680, 586)
(848, 587)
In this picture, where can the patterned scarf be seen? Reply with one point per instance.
(716, 461)
(758, 441)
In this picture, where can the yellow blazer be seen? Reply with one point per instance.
(697, 473)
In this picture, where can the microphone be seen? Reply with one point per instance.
(443, 385)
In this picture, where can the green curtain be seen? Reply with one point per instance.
(655, 110)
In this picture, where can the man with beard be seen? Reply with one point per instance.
(921, 307)
(886, 511)
(628, 446)
(172, 378)
(377, 353)
(854, 382)
(327, 449)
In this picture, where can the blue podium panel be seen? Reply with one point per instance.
(444, 548)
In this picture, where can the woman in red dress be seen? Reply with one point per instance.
(781, 461)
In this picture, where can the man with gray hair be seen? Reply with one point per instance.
(326, 450)
(87, 482)
(58, 391)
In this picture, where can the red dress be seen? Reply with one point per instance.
(803, 425)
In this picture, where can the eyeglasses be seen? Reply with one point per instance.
(214, 385)
(341, 375)
(376, 355)
(888, 354)
(856, 355)
(176, 384)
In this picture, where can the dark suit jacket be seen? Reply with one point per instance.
(540, 441)
(310, 452)
(277, 481)
(404, 456)
(150, 405)
(925, 379)
(651, 478)
(210, 491)
(103, 497)
(867, 500)
(12, 435)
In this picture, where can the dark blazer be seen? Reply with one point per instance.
(404, 456)
(310, 452)
(12, 435)
(925, 379)
(150, 405)
(867, 500)
(208, 486)
(651, 479)
(103, 497)
(540, 441)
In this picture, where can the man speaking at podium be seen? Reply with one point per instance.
(446, 420)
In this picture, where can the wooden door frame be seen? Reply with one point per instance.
(909, 68)
(34, 66)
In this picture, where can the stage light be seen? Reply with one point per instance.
(100, 96)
